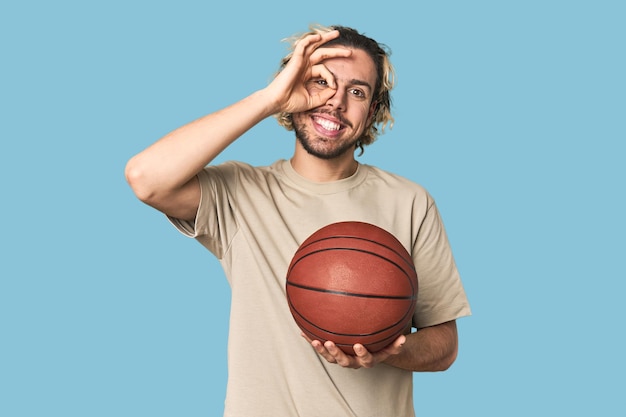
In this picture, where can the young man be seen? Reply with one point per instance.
(333, 91)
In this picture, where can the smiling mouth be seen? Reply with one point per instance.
(327, 124)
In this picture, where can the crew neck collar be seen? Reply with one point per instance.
(329, 187)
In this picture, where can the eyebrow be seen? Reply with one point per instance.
(354, 81)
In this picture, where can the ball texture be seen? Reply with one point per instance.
(352, 282)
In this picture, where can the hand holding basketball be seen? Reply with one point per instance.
(362, 357)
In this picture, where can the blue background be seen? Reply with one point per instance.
(511, 113)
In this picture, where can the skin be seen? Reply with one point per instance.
(329, 92)
(330, 132)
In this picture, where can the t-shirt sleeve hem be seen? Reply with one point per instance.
(442, 316)
(185, 227)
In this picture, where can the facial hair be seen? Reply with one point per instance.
(309, 141)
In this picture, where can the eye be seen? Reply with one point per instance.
(358, 93)
(318, 84)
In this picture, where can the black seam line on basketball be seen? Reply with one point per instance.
(323, 330)
(386, 341)
(352, 294)
(407, 314)
(410, 264)
(356, 250)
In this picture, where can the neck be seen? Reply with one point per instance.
(323, 170)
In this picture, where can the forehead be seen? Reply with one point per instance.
(359, 66)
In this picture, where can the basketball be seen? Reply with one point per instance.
(352, 282)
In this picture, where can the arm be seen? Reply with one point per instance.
(428, 350)
(164, 174)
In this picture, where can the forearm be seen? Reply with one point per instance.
(428, 350)
(169, 165)
(175, 159)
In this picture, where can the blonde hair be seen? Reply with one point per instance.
(385, 78)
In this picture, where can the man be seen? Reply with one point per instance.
(333, 91)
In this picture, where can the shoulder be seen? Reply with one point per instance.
(237, 168)
(395, 183)
(237, 172)
(391, 178)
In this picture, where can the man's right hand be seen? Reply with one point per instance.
(293, 90)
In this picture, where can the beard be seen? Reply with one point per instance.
(319, 146)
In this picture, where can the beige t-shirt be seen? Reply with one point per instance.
(253, 219)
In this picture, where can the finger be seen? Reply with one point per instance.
(319, 348)
(309, 45)
(393, 349)
(320, 93)
(314, 41)
(330, 35)
(321, 71)
(361, 352)
(366, 359)
(311, 42)
(321, 54)
(340, 356)
(397, 345)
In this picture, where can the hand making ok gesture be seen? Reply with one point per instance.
(292, 90)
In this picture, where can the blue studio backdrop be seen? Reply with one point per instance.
(511, 113)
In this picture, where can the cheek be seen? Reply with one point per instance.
(364, 115)
(314, 88)
(297, 119)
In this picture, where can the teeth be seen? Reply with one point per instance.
(327, 124)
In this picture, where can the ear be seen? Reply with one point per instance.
(372, 111)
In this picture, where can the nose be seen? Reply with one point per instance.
(338, 100)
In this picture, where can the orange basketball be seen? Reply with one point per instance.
(352, 282)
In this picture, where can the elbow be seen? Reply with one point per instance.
(446, 362)
(447, 359)
(137, 180)
(450, 348)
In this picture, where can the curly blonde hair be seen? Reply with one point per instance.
(385, 78)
